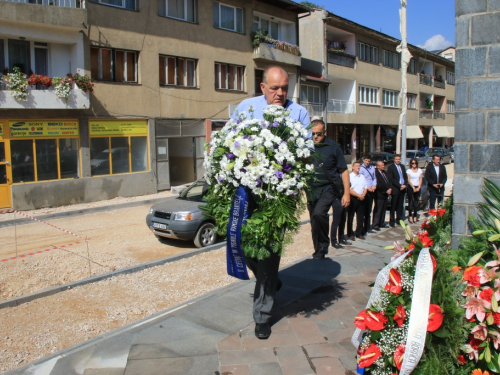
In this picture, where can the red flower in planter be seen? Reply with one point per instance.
(399, 316)
(394, 284)
(461, 359)
(425, 239)
(375, 321)
(435, 318)
(439, 212)
(360, 320)
(370, 355)
(399, 355)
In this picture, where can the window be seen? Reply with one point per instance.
(368, 95)
(2, 57)
(391, 60)
(126, 4)
(108, 64)
(367, 53)
(177, 71)
(390, 98)
(272, 27)
(118, 146)
(412, 66)
(259, 74)
(310, 94)
(450, 106)
(450, 78)
(229, 77)
(184, 10)
(19, 55)
(228, 18)
(55, 159)
(412, 101)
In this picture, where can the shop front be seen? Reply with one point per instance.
(54, 162)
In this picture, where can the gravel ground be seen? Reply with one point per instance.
(46, 325)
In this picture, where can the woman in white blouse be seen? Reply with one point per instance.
(415, 176)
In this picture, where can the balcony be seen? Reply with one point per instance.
(431, 114)
(62, 13)
(269, 52)
(439, 84)
(340, 106)
(425, 80)
(341, 58)
(45, 99)
(313, 109)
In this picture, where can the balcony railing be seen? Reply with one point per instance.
(425, 80)
(430, 114)
(45, 98)
(313, 109)
(439, 84)
(269, 52)
(340, 106)
(340, 58)
(59, 3)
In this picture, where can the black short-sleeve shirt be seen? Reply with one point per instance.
(331, 156)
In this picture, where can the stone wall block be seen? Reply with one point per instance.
(494, 4)
(459, 222)
(485, 29)
(485, 94)
(493, 127)
(467, 6)
(494, 61)
(469, 126)
(466, 189)
(461, 158)
(484, 158)
(462, 31)
(462, 95)
(472, 62)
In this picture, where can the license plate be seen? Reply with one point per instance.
(159, 226)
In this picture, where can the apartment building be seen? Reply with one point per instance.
(165, 72)
(362, 67)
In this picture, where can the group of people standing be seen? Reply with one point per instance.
(363, 194)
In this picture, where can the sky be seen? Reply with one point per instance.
(430, 23)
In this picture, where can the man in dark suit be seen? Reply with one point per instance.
(399, 180)
(436, 177)
(382, 191)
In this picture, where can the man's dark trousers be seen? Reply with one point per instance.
(379, 213)
(433, 195)
(397, 206)
(266, 275)
(318, 213)
(338, 221)
(368, 204)
(357, 208)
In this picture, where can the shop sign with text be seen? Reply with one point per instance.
(118, 127)
(38, 128)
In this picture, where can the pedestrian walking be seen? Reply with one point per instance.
(382, 192)
(415, 178)
(436, 177)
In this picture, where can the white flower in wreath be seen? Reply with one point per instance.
(283, 147)
(300, 142)
(310, 167)
(310, 143)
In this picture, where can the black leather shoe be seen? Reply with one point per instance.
(262, 331)
(352, 238)
(392, 225)
(318, 256)
(361, 237)
(336, 245)
(376, 228)
(345, 242)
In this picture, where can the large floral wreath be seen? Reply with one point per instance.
(270, 157)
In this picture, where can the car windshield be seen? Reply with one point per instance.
(195, 191)
(433, 150)
(410, 155)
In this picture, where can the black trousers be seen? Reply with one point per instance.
(318, 213)
(397, 206)
(266, 275)
(357, 207)
(368, 211)
(413, 198)
(379, 212)
(435, 194)
(337, 229)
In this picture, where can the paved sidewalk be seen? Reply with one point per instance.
(213, 334)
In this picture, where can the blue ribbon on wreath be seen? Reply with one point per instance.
(236, 265)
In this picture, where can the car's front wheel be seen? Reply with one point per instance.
(205, 236)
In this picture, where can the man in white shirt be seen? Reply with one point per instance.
(358, 190)
(368, 171)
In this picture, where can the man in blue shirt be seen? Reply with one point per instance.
(274, 86)
(368, 171)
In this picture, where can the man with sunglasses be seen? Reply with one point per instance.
(332, 177)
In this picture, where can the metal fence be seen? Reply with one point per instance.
(339, 59)
(313, 109)
(340, 106)
(426, 80)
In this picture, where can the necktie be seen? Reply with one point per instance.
(401, 179)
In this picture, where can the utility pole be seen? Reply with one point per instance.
(405, 59)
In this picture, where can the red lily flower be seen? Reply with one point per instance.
(375, 321)
(399, 355)
(360, 320)
(461, 359)
(369, 356)
(394, 284)
(425, 239)
(399, 316)
(411, 246)
(439, 212)
(435, 318)
(474, 343)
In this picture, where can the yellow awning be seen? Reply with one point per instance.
(444, 131)
(413, 132)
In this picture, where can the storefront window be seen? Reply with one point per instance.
(22, 161)
(127, 140)
(46, 159)
(68, 158)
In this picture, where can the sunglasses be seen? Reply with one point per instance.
(413, 163)
(319, 134)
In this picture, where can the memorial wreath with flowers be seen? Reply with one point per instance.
(434, 310)
(256, 170)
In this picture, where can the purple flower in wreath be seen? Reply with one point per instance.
(238, 121)
(287, 168)
(263, 124)
(279, 174)
(259, 182)
(243, 170)
(276, 146)
(230, 155)
(275, 124)
(236, 144)
(297, 176)
(220, 179)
